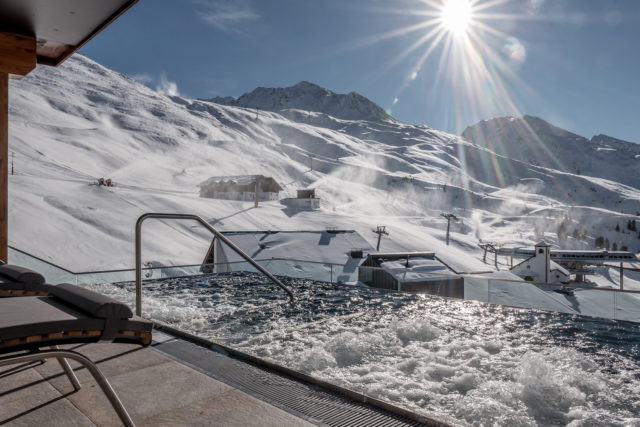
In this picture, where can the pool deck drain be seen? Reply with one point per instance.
(289, 390)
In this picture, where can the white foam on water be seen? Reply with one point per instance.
(430, 359)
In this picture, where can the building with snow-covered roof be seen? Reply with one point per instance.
(293, 253)
(418, 272)
(305, 199)
(247, 188)
(540, 267)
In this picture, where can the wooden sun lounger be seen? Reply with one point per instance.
(69, 314)
(18, 281)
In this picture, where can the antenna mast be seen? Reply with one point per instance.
(380, 230)
(449, 217)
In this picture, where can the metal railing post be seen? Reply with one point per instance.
(213, 231)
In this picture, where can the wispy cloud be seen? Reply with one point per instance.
(162, 83)
(144, 78)
(227, 15)
(166, 86)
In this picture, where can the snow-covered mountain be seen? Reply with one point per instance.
(73, 124)
(307, 96)
(533, 140)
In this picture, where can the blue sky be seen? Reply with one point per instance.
(575, 63)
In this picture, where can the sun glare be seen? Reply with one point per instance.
(476, 73)
(456, 16)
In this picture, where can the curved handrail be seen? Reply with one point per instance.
(213, 231)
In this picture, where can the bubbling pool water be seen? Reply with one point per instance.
(470, 363)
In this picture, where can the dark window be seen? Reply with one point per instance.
(540, 251)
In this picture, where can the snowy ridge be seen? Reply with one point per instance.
(533, 140)
(74, 124)
(309, 97)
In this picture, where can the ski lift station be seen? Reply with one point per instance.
(543, 264)
(246, 188)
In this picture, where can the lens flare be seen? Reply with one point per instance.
(467, 64)
(456, 16)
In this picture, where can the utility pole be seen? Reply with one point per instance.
(256, 113)
(449, 216)
(489, 247)
(255, 203)
(311, 156)
(380, 230)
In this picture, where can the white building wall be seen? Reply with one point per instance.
(246, 196)
(309, 204)
(540, 268)
(540, 263)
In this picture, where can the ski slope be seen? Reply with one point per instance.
(73, 124)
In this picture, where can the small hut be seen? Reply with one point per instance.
(306, 199)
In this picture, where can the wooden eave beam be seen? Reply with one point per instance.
(17, 57)
(65, 51)
(17, 53)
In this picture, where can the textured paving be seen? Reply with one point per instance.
(313, 402)
(155, 389)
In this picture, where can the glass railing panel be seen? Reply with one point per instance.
(476, 289)
(181, 271)
(231, 267)
(164, 272)
(107, 277)
(583, 301)
(298, 269)
(52, 273)
(627, 306)
(224, 267)
(345, 274)
(593, 302)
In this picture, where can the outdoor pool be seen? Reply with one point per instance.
(468, 362)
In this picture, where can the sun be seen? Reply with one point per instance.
(456, 16)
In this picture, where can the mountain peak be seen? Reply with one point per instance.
(305, 85)
(606, 139)
(526, 126)
(309, 96)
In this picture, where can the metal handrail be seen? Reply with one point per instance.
(213, 231)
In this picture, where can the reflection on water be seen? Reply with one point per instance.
(468, 362)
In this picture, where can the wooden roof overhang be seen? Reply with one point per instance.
(42, 32)
(57, 28)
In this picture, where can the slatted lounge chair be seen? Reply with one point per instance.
(16, 280)
(70, 314)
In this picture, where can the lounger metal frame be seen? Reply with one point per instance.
(62, 356)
